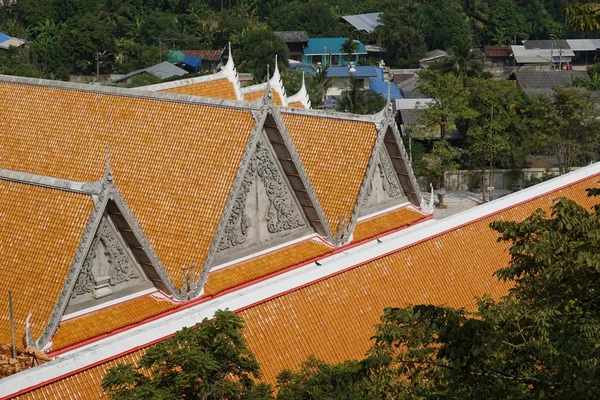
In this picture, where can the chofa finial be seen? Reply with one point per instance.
(107, 169)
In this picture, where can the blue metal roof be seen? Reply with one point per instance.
(382, 88)
(361, 72)
(3, 37)
(330, 46)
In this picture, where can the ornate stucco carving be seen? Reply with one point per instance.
(283, 213)
(236, 229)
(388, 176)
(106, 263)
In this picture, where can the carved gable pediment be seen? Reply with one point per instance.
(109, 271)
(266, 211)
(383, 189)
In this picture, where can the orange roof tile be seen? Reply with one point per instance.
(382, 223)
(40, 231)
(334, 318)
(220, 89)
(296, 104)
(251, 96)
(335, 154)
(164, 159)
(108, 320)
(237, 274)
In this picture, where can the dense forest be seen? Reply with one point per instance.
(67, 35)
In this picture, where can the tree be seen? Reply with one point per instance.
(356, 100)
(463, 62)
(209, 361)
(475, 13)
(585, 17)
(292, 80)
(591, 82)
(324, 81)
(496, 105)
(565, 125)
(349, 47)
(47, 32)
(449, 104)
(114, 12)
(404, 46)
(257, 48)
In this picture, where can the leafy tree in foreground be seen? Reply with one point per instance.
(209, 362)
(541, 341)
(355, 100)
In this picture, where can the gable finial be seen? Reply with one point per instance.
(389, 93)
(108, 174)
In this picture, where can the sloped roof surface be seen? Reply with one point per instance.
(220, 88)
(335, 154)
(581, 45)
(205, 55)
(163, 70)
(334, 318)
(546, 79)
(330, 45)
(363, 22)
(362, 71)
(174, 162)
(40, 231)
(497, 51)
(546, 44)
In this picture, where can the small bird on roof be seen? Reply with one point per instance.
(379, 241)
(318, 263)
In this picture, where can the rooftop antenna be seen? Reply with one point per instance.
(12, 324)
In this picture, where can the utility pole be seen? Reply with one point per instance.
(551, 55)
(97, 67)
(560, 59)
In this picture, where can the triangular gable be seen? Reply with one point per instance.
(266, 211)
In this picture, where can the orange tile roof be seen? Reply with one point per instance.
(335, 154)
(333, 319)
(220, 89)
(40, 231)
(382, 223)
(264, 265)
(108, 320)
(163, 158)
(251, 96)
(296, 104)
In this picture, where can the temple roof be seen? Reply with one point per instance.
(329, 310)
(166, 165)
(40, 231)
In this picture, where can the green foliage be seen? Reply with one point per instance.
(585, 17)
(256, 49)
(404, 46)
(209, 361)
(292, 80)
(591, 82)
(565, 125)
(356, 100)
(463, 61)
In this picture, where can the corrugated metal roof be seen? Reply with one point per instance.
(363, 22)
(206, 55)
(12, 42)
(319, 46)
(545, 79)
(433, 55)
(539, 56)
(546, 44)
(163, 70)
(412, 104)
(3, 37)
(497, 51)
(581, 45)
(381, 87)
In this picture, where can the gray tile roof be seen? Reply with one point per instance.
(293, 36)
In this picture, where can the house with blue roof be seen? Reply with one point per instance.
(329, 51)
(7, 41)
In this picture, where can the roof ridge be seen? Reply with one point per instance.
(370, 118)
(90, 188)
(143, 94)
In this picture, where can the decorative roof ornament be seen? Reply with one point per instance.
(428, 207)
(108, 174)
(189, 282)
(302, 95)
(29, 341)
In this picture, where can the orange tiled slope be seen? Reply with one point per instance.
(40, 230)
(394, 219)
(251, 96)
(163, 157)
(107, 320)
(296, 104)
(334, 318)
(220, 89)
(269, 263)
(335, 154)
